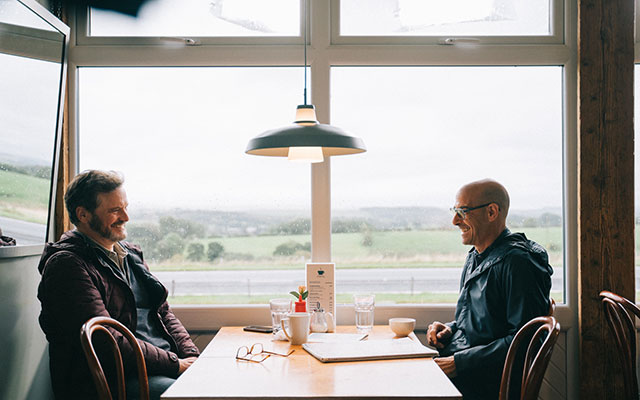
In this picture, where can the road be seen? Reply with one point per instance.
(390, 280)
(23, 232)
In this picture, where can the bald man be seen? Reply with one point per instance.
(505, 282)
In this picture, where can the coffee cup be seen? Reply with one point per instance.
(298, 331)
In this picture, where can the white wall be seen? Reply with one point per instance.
(24, 369)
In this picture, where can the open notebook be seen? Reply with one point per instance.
(368, 350)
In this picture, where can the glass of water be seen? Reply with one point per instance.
(364, 304)
(280, 309)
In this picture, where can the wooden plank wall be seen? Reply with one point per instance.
(554, 384)
(605, 182)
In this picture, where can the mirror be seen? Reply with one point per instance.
(33, 47)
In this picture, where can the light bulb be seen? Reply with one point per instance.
(306, 153)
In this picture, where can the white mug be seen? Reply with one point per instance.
(298, 327)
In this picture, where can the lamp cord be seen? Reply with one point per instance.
(305, 51)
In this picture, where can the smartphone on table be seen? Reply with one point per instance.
(258, 328)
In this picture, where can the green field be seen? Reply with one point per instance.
(406, 249)
(24, 197)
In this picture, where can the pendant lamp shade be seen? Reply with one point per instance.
(306, 139)
(333, 141)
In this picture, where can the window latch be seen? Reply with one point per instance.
(180, 40)
(461, 40)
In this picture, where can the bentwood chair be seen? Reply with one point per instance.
(538, 337)
(100, 324)
(552, 307)
(620, 314)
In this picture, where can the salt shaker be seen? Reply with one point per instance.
(319, 320)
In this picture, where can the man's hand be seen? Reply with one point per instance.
(447, 365)
(185, 363)
(437, 333)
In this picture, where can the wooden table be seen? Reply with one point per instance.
(218, 375)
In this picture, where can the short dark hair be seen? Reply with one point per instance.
(84, 189)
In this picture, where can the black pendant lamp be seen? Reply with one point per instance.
(307, 139)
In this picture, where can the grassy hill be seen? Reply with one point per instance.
(402, 249)
(24, 197)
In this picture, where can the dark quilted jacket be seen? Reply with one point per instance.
(77, 285)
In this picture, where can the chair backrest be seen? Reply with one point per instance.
(539, 336)
(552, 307)
(619, 313)
(100, 324)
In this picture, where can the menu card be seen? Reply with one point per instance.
(321, 285)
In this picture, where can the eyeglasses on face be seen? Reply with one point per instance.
(256, 353)
(462, 211)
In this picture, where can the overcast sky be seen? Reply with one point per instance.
(179, 134)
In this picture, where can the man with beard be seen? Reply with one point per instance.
(505, 282)
(92, 272)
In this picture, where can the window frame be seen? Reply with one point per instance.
(323, 53)
(82, 24)
(556, 36)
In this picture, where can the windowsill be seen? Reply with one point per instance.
(21, 251)
(212, 317)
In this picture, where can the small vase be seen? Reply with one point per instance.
(301, 306)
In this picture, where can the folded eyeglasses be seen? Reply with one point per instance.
(256, 353)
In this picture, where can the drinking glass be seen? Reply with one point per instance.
(280, 309)
(364, 304)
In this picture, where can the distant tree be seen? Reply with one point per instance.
(146, 236)
(549, 219)
(300, 226)
(530, 223)
(290, 248)
(195, 252)
(182, 227)
(214, 250)
(169, 246)
(367, 239)
(350, 226)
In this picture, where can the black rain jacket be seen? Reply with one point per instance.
(500, 291)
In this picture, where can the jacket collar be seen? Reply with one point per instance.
(487, 258)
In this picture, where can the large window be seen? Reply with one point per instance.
(26, 145)
(213, 222)
(429, 130)
(219, 226)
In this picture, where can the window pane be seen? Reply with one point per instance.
(16, 14)
(202, 18)
(28, 111)
(444, 17)
(216, 225)
(428, 131)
